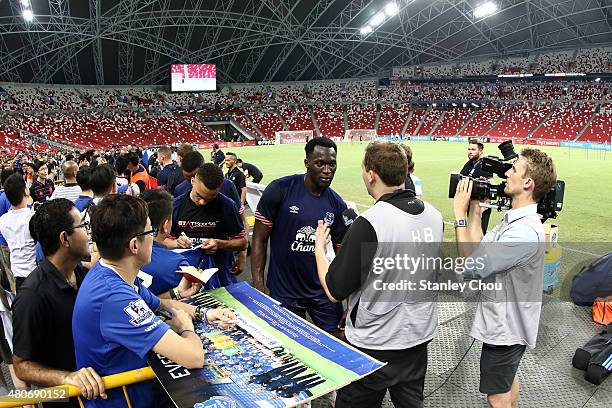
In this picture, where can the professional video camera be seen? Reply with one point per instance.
(548, 206)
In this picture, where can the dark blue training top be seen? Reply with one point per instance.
(292, 213)
(227, 189)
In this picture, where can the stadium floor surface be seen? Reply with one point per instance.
(546, 374)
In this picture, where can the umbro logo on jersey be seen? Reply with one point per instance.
(294, 209)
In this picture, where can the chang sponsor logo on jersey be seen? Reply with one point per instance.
(304, 240)
(139, 312)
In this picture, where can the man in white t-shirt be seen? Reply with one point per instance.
(70, 190)
(14, 226)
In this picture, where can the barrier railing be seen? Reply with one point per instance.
(110, 381)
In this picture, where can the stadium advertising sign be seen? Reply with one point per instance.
(223, 145)
(420, 138)
(271, 358)
(587, 145)
(546, 142)
(458, 139)
(293, 136)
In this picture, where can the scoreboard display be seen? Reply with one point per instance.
(193, 77)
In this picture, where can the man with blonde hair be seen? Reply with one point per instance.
(510, 256)
(70, 190)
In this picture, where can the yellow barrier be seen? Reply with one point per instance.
(110, 381)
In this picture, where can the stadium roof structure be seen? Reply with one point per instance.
(133, 42)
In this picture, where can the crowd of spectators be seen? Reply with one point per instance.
(97, 117)
(586, 60)
(60, 213)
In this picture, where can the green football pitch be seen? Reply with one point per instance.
(585, 223)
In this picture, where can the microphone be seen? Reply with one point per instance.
(348, 216)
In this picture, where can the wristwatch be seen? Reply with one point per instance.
(460, 223)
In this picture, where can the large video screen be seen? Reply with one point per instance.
(193, 77)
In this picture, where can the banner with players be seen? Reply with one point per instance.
(272, 358)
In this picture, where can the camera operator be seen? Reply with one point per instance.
(503, 323)
(394, 330)
(473, 168)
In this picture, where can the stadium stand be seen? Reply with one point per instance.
(452, 122)
(148, 128)
(330, 120)
(362, 91)
(600, 129)
(141, 115)
(173, 126)
(594, 60)
(361, 117)
(268, 123)
(117, 126)
(198, 126)
(297, 118)
(392, 119)
(324, 92)
(288, 93)
(414, 121)
(521, 120)
(566, 121)
(484, 120)
(247, 125)
(430, 122)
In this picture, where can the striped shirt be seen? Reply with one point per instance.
(70, 191)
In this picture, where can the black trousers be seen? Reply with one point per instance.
(18, 281)
(403, 376)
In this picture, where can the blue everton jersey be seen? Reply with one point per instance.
(114, 328)
(159, 276)
(292, 213)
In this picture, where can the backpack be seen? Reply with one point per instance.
(593, 281)
(602, 310)
(595, 357)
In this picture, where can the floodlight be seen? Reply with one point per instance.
(391, 9)
(485, 9)
(28, 15)
(366, 30)
(377, 19)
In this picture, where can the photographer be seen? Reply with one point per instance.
(394, 327)
(507, 322)
(473, 168)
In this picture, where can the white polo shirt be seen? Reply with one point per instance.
(14, 226)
